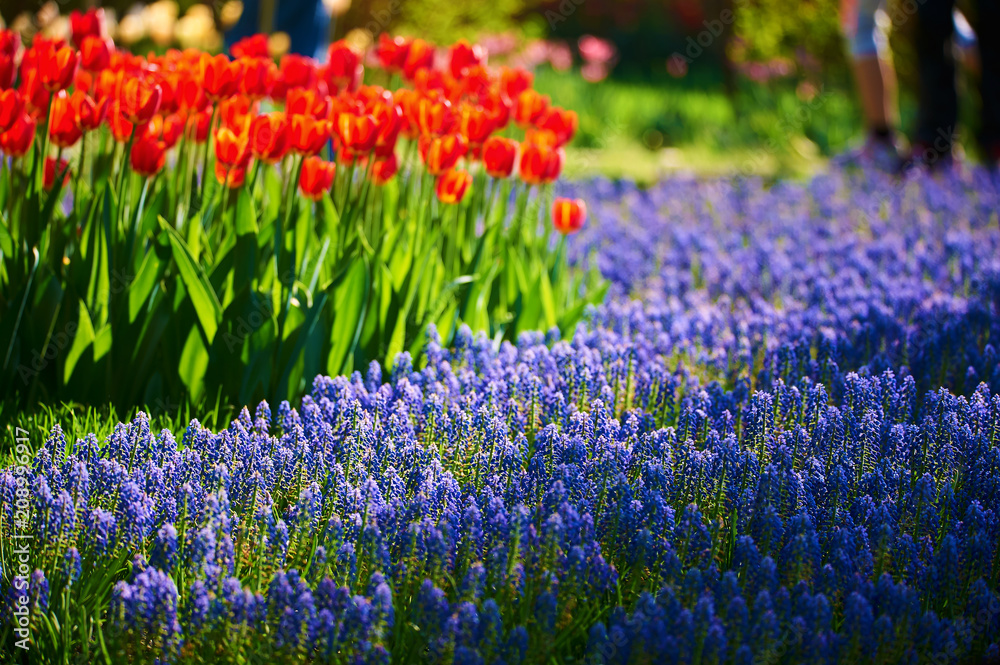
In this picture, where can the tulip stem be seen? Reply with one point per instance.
(45, 139)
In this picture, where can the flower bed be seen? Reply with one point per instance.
(620, 496)
(182, 226)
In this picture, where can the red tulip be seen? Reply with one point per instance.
(307, 134)
(540, 164)
(56, 66)
(95, 53)
(87, 24)
(433, 116)
(452, 185)
(121, 127)
(560, 122)
(148, 156)
(464, 55)
(63, 129)
(420, 55)
(54, 169)
(16, 141)
(343, 70)
(140, 99)
(230, 147)
(441, 153)
(528, 107)
(384, 169)
(258, 77)
(89, 113)
(297, 71)
(316, 177)
(474, 123)
(357, 132)
(231, 176)
(389, 118)
(514, 81)
(499, 156)
(568, 215)
(305, 101)
(11, 107)
(10, 42)
(254, 46)
(220, 77)
(236, 113)
(392, 52)
(198, 125)
(36, 97)
(269, 137)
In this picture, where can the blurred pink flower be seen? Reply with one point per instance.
(594, 72)
(560, 57)
(596, 50)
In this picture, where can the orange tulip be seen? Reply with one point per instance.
(269, 137)
(198, 125)
(140, 99)
(441, 153)
(452, 185)
(54, 169)
(258, 77)
(63, 130)
(307, 135)
(419, 55)
(220, 77)
(384, 169)
(568, 215)
(528, 107)
(236, 113)
(433, 115)
(16, 141)
(230, 147)
(148, 156)
(357, 132)
(474, 123)
(56, 66)
(540, 164)
(231, 177)
(316, 177)
(306, 101)
(121, 127)
(11, 107)
(499, 156)
(89, 113)
(560, 122)
(514, 81)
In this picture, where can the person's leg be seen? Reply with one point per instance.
(938, 98)
(989, 58)
(875, 77)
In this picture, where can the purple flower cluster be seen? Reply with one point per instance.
(757, 463)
